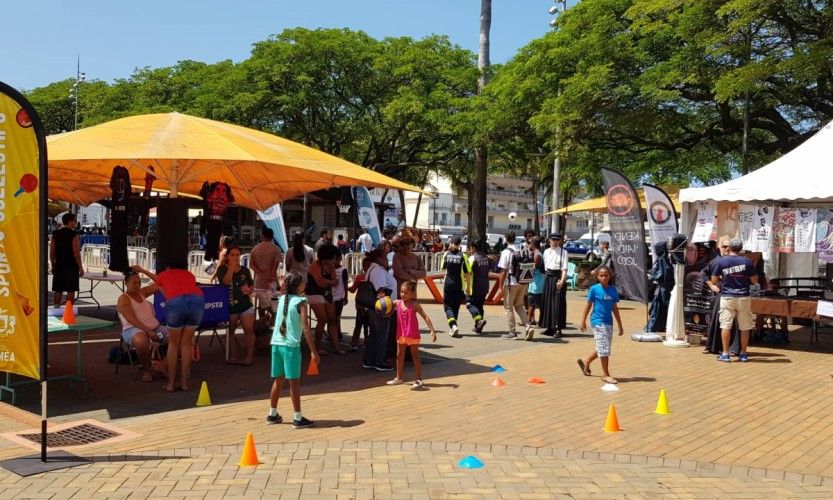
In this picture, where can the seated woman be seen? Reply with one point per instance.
(241, 285)
(140, 328)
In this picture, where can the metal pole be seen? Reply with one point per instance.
(556, 181)
(555, 222)
(77, 84)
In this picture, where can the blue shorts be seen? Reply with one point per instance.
(286, 362)
(184, 310)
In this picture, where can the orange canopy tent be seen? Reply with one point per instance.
(262, 169)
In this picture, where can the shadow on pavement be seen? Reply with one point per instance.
(112, 395)
(625, 380)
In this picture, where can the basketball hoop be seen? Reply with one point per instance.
(343, 208)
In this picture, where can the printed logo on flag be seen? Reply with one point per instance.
(660, 212)
(619, 200)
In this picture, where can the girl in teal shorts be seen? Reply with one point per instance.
(292, 320)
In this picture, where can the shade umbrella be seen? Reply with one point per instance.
(600, 204)
(185, 151)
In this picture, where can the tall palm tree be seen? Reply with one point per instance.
(478, 202)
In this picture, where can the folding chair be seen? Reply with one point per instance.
(133, 360)
(572, 275)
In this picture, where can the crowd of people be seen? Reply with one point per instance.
(531, 272)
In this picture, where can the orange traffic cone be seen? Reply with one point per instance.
(69, 314)
(612, 422)
(536, 380)
(249, 456)
(313, 367)
(498, 382)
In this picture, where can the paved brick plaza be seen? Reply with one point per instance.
(740, 430)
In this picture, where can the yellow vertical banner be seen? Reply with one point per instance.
(20, 235)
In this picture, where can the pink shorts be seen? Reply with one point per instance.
(407, 341)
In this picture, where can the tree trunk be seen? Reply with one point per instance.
(401, 207)
(419, 198)
(380, 213)
(478, 199)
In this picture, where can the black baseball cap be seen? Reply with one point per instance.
(556, 236)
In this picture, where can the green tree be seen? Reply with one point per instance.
(658, 88)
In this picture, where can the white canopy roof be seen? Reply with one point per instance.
(803, 174)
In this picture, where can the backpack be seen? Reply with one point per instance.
(523, 266)
(366, 292)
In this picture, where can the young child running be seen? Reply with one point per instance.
(407, 331)
(362, 316)
(292, 319)
(456, 267)
(601, 298)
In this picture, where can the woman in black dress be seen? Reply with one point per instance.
(554, 306)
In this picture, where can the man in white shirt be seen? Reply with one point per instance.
(375, 350)
(554, 307)
(364, 243)
(513, 292)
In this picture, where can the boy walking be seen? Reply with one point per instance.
(480, 266)
(601, 299)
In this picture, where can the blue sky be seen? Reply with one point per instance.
(40, 39)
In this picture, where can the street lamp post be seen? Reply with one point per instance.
(556, 10)
(73, 92)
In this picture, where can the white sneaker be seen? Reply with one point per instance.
(417, 384)
(455, 332)
(530, 331)
(395, 381)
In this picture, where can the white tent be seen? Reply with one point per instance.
(805, 174)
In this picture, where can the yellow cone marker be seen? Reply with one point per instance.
(204, 399)
(662, 403)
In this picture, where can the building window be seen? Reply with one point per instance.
(490, 221)
(457, 219)
(529, 223)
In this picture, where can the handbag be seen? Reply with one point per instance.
(366, 293)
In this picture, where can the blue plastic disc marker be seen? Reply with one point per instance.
(498, 369)
(470, 462)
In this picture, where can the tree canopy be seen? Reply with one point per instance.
(664, 90)
(658, 88)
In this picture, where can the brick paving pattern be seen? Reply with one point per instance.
(736, 430)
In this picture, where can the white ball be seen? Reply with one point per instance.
(512, 215)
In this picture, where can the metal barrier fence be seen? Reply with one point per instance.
(96, 258)
(432, 262)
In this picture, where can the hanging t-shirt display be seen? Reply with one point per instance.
(120, 186)
(216, 199)
(144, 213)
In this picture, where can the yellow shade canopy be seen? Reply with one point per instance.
(600, 204)
(262, 169)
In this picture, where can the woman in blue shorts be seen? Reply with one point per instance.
(184, 306)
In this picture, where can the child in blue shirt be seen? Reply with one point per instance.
(291, 323)
(601, 299)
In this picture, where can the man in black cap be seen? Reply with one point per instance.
(554, 307)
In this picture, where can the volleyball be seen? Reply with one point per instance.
(384, 306)
(512, 215)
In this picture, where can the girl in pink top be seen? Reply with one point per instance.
(407, 331)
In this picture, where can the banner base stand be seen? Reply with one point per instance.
(676, 343)
(643, 336)
(31, 464)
